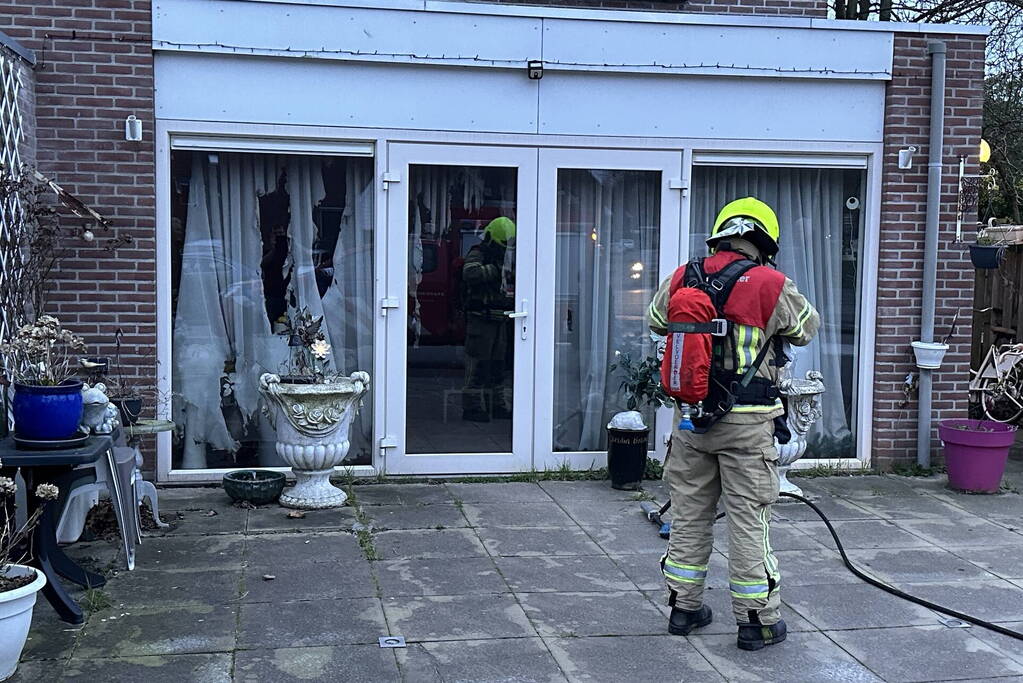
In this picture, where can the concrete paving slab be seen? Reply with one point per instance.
(812, 568)
(538, 514)
(587, 573)
(351, 578)
(865, 534)
(784, 536)
(463, 617)
(200, 668)
(35, 671)
(186, 553)
(645, 569)
(627, 658)
(276, 519)
(192, 497)
(623, 539)
(584, 490)
(501, 492)
(567, 615)
(146, 631)
(49, 637)
(867, 486)
(962, 531)
(605, 512)
(538, 542)
(915, 565)
(311, 623)
(435, 516)
(803, 657)
(907, 507)
(993, 600)
(509, 659)
(1006, 508)
(834, 508)
(925, 653)
(424, 544)
(227, 520)
(1010, 647)
(720, 602)
(360, 662)
(403, 494)
(854, 606)
(155, 588)
(301, 548)
(446, 576)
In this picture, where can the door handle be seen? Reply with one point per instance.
(517, 314)
(522, 314)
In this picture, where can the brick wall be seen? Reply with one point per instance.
(94, 67)
(902, 239)
(798, 8)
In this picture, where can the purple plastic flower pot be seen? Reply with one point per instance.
(976, 452)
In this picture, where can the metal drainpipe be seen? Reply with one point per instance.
(936, 50)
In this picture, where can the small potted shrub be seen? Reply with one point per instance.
(124, 395)
(986, 254)
(976, 452)
(627, 436)
(47, 403)
(18, 582)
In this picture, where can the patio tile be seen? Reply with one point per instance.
(784, 536)
(962, 531)
(861, 534)
(33, 672)
(604, 512)
(277, 519)
(350, 578)
(562, 491)
(432, 543)
(503, 492)
(812, 567)
(592, 614)
(311, 623)
(802, 657)
(1003, 507)
(540, 514)
(624, 539)
(579, 573)
(867, 486)
(915, 565)
(925, 653)
(186, 553)
(201, 668)
(305, 548)
(464, 617)
(834, 508)
(854, 606)
(659, 658)
(538, 542)
(719, 599)
(158, 631)
(155, 588)
(1006, 561)
(907, 507)
(415, 516)
(192, 497)
(227, 520)
(49, 637)
(362, 662)
(447, 576)
(644, 569)
(508, 659)
(403, 494)
(992, 600)
(1011, 647)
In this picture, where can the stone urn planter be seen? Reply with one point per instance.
(313, 420)
(16, 617)
(803, 397)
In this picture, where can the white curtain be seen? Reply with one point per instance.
(607, 252)
(810, 204)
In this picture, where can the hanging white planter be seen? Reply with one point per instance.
(929, 354)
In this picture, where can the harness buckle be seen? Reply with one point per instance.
(721, 327)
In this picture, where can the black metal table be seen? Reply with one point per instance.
(54, 467)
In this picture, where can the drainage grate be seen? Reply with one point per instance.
(392, 641)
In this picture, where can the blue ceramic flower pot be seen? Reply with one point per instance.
(47, 413)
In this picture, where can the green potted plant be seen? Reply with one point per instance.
(627, 434)
(986, 253)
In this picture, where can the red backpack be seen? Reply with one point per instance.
(696, 316)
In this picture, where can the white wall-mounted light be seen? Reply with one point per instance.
(535, 69)
(906, 157)
(132, 129)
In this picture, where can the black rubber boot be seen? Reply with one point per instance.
(683, 621)
(758, 636)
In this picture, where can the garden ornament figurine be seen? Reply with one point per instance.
(99, 415)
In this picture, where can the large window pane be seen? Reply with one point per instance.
(820, 251)
(461, 231)
(254, 238)
(607, 254)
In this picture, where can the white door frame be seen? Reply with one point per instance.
(669, 165)
(394, 457)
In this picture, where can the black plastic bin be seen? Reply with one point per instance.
(626, 457)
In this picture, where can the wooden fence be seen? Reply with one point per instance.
(998, 304)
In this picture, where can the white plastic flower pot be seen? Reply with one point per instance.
(929, 354)
(16, 618)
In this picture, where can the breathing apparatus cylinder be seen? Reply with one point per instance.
(686, 423)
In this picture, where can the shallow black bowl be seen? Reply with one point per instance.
(258, 487)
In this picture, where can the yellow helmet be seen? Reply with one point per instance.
(501, 229)
(751, 220)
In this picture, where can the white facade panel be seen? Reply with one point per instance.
(717, 108)
(321, 93)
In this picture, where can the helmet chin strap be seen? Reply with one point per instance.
(760, 258)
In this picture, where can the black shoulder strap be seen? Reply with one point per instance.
(719, 286)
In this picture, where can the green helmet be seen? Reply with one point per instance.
(749, 219)
(500, 230)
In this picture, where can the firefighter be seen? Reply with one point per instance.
(487, 296)
(735, 457)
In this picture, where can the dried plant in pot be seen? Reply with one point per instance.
(19, 583)
(312, 410)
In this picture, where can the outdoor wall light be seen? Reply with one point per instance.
(132, 129)
(906, 157)
(535, 69)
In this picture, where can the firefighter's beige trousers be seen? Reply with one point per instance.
(740, 462)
